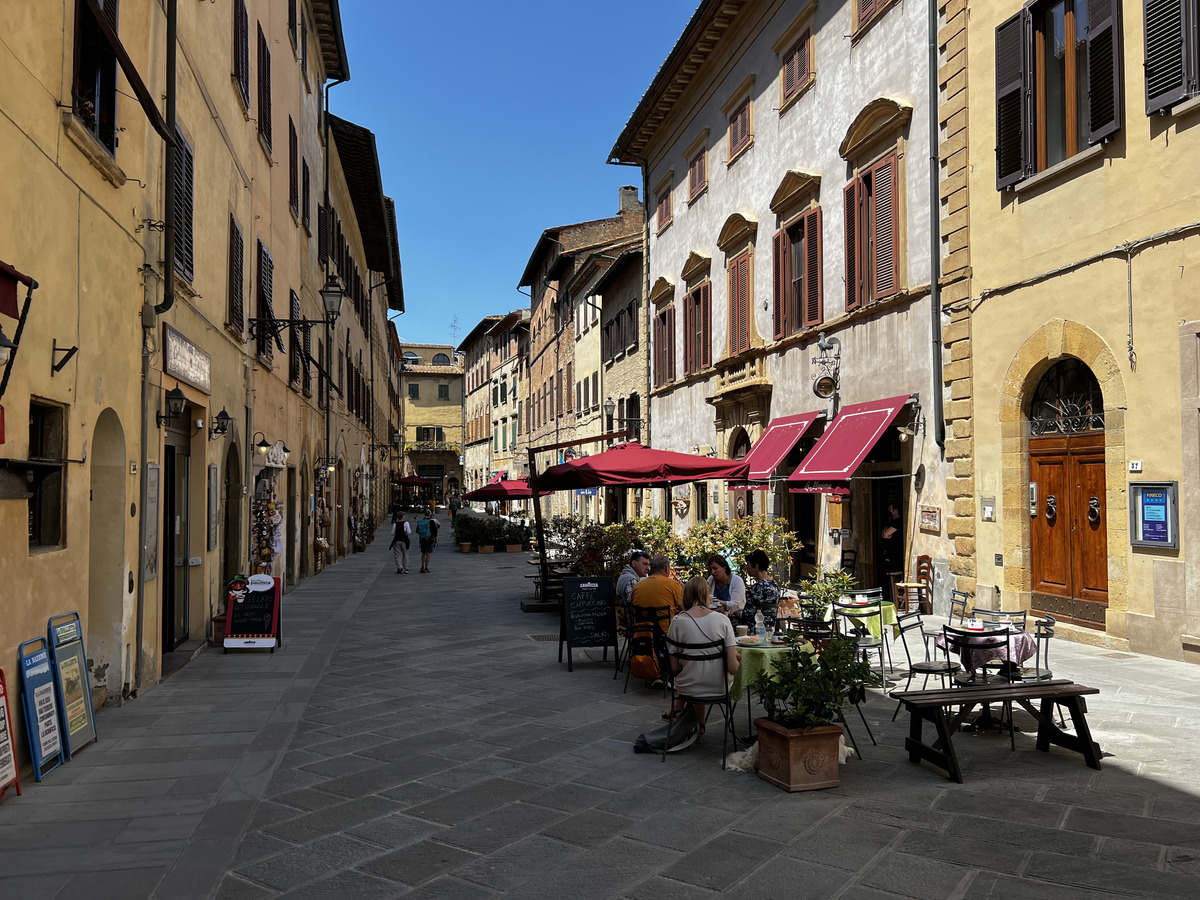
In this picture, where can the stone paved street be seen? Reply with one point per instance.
(414, 739)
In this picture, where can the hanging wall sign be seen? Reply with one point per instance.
(1154, 514)
(252, 614)
(40, 707)
(74, 686)
(8, 758)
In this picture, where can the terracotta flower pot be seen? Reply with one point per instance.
(798, 759)
(486, 548)
(465, 547)
(513, 548)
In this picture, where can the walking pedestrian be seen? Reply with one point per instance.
(401, 539)
(427, 530)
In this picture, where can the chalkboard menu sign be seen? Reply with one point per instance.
(252, 612)
(588, 617)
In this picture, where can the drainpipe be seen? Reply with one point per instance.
(935, 240)
(169, 173)
(328, 337)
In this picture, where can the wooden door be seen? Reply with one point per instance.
(1068, 533)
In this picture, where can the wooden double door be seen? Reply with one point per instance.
(1068, 528)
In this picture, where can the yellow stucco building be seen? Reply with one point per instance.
(167, 424)
(431, 418)
(1075, 331)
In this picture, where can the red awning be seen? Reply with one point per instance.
(770, 449)
(514, 489)
(499, 476)
(633, 465)
(846, 442)
(416, 480)
(9, 278)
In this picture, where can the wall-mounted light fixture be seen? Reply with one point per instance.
(916, 424)
(264, 445)
(331, 297)
(6, 347)
(176, 401)
(220, 424)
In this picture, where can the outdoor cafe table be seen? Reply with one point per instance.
(755, 659)
(887, 613)
(1019, 647)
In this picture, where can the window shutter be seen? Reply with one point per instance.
(689, 332)
(293, 168)
(264, 87)
(184, 206)
(812, 268)
(789, 74)
(1104, 68)
(1170, 55)
(294, 341)
(596, 388)
(866, 9)
(322, 235)
(1012, 134)
(853, 293)
(266, 273)
(633, 325)
(885, 195)
(307, 362)
(706, 325)
(779, 282)
(241, 49)
(236, 277)
(670, 342)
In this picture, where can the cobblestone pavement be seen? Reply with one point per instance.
(414, 739)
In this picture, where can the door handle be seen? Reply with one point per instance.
(1051, 508)
(1094, 510)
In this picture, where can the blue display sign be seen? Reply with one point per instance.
(1154, 514)
(585, 492)
(74, 685)
(40, 707)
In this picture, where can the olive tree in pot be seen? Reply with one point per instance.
(466, 532)
(803, 698)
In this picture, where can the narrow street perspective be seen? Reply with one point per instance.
(417, 737)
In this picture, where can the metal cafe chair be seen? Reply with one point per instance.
(963, 642)
(944, 669)
(855, 621)
(647, 637)
(689, 652)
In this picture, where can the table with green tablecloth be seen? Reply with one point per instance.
(887, 612)
(755, 660)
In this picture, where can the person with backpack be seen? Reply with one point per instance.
(427, 530)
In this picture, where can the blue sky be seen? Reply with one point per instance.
(493, 121)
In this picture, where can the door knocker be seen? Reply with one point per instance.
(1051, 508)
(1094, 510)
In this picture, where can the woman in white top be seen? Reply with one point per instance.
(728, 589)
(697, 624)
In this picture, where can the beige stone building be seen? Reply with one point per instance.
(179, 433)
(431, 392)
(476, 351)
(1076, 331)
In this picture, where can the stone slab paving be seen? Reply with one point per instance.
(412, 739)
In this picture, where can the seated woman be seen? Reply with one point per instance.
(763, 595)
(727, 589)
(697, 624)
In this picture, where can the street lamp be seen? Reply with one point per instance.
(176, 401)
(264, 445)
(6, 347)
(220, 424)
(331, 297)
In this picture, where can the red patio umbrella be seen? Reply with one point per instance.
(517, 489)
(632, 465)
(414, 480)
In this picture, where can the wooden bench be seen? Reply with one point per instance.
(933, 705)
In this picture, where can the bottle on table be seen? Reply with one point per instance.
(760, 626)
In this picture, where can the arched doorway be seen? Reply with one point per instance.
(231, 555)
(1067, 499)
(106, 555)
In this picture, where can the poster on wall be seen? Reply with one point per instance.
(1154, 514)
(150, 523)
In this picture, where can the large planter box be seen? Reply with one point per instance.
(513, 548)
(486, 548)
(798, 759)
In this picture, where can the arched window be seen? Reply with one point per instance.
(441, 359)
(1067, 401)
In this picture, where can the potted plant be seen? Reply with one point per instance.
(466, 531)
(803, 697)
(514, 537)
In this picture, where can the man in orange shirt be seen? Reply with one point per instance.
(659, 588)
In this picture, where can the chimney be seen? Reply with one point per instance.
(629, 198)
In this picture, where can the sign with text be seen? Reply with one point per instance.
(40, 707)
(1154, 514)
(252, 612)
(8, 758)
(74, 686)
(588, 616)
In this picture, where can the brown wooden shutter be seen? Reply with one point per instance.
(813, 313)
(705, 325)
(634, 331)
(854, 297)
(264, 87)
(236, 277)
(670, 344)
(1170, 54)
(689, 334)
(790, 79)
(307, 362)
(866, 9)
(266, 273)
(1104, 68)
(1013, 132)
(293, 168)
(294, 342)
(241, 49)
(885, 242)
(305, 195)
(322, 235)
(779, 283)
(184, 207)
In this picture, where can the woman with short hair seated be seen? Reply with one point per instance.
(725, 587)
(698, 624)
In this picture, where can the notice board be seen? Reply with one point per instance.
(252, 613)
(69, 660)
(40, 707)
(588, 616)
(8, 758)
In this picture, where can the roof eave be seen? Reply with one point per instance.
(327, 20)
